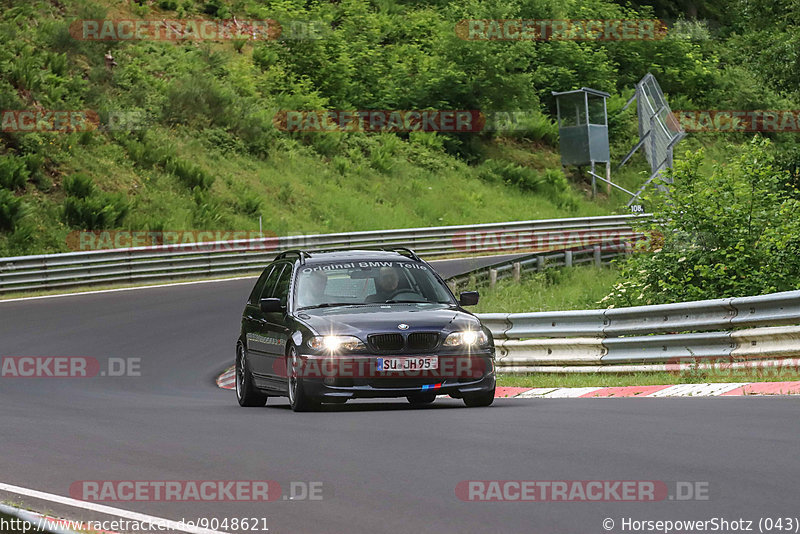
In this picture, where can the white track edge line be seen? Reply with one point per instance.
(103, 509)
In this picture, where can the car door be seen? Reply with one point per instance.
(278, 330)
(255, 323)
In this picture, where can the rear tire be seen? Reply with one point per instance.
(421, 398)
(246, 393)
(298, 399)
(475, 400)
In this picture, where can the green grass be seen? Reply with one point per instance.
(576, 380)
(294, 190)
(311, 183)
(552, 290)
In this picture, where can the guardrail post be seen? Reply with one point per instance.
(517, 271)
(541, 263)
(453, 286)
(598, 259)
(492, 278)
(567, 258)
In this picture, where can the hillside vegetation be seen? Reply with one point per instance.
(204, 152)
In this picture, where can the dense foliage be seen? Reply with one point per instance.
(732, 232)
(198, 103)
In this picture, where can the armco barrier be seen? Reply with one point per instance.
(733, 332)
(31, 521)
(230, 258)
(601, 253)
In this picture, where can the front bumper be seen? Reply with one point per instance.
(465, 375)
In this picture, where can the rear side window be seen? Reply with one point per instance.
(269, 285)
(282, 286)
(259, 287)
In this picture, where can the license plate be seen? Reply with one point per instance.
(423, 363)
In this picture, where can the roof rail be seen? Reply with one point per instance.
(301, 254)
(400, 250)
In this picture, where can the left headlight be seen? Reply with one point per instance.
(336, 343)
(467, 338)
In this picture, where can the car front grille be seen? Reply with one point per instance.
(387, 341)
(423, 340)
(416, 341)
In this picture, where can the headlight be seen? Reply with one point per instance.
(468, 338)
(336, 343)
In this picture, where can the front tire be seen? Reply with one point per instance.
(484, 398)
(246, 393)
(298, 399)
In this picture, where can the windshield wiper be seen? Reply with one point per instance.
(406, 302)
(330, 305)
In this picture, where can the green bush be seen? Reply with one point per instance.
(14, 172)
(729, 233)
(533, 127)
(189, 173)
(96, 212)
(264, 56)
(88, 208)
(510, 173)
(149, 153)
(12, 210)
(249, 205)
(216, 8)
(199, 100)
(79, 186)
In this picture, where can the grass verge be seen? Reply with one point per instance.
(577, 380)
(552, 289)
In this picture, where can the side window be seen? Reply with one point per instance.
(269, 285)
(256, 292)
(282, 287)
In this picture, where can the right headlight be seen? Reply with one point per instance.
(467, 338)
(336, 343)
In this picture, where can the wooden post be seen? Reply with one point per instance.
(517, 271)
(492, 278)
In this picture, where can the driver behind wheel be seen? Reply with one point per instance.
(312, 292)
(385, 285)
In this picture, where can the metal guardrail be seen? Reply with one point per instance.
(643, 338)
(599, 254)
(30, 521)
(230, 258)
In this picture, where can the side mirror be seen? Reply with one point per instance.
(270, 305)
(468, 298)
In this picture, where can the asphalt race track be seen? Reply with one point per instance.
(384, 467)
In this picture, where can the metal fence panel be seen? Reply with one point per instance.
(668, 347)
(579, 323)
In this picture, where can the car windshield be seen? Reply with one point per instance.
(368, 282)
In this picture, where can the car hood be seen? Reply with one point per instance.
(354, 320)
